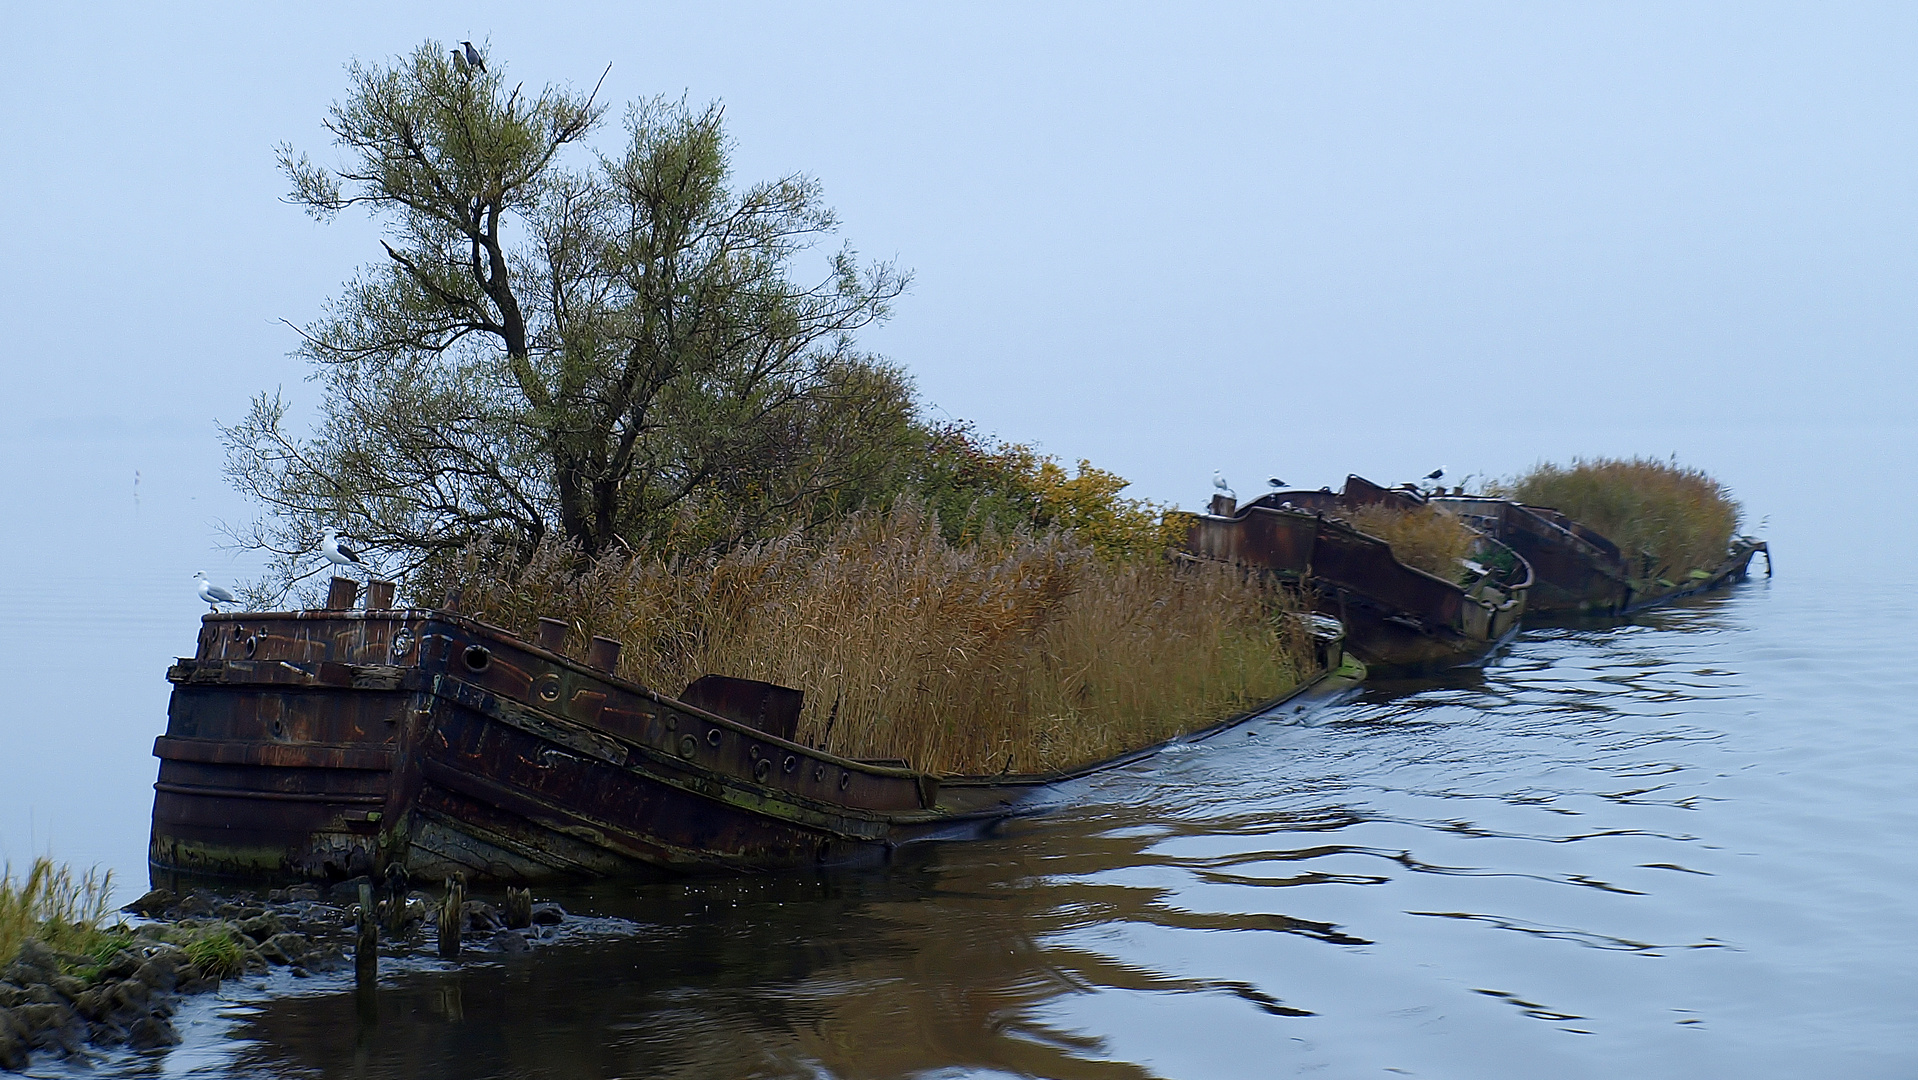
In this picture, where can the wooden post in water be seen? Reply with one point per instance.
(395, 898)
(451, 915)
(519, 908)
(366, 951)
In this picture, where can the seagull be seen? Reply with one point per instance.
(1275, 482)
(473, 56)
(1435, 474)
(214, 595)
(1218, 481)
(338, 553)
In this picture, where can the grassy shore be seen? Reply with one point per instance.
(1669, 518)
(65, 911)
(1026, 653)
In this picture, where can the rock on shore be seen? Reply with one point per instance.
(52, 1002)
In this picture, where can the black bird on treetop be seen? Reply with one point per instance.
(473, 56)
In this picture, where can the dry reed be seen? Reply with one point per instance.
(1673, 519)
(52, 905)
(1428, 538)
(1024, 653)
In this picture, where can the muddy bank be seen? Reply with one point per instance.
(126, 993)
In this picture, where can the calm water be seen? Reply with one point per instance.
(1677, 847)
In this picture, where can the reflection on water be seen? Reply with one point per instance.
(1617, 848)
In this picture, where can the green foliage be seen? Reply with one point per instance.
(54, 906)
(612, 350)
(217, 953)
(1667, 518)
(980, 488)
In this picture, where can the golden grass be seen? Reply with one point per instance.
(53, 906)
(1025, 653)
(1428, 538)
(1673, 519)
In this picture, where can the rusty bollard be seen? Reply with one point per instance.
(395, 892)
(519, 908)
(366, 952)
(451, 915)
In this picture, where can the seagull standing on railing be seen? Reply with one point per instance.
(214, 595)
(1218, 481)
(1277, 484)
(337, 553)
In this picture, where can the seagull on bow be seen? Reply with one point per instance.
(1277, 484)
(337, 553)
(1218, 481)
(1435, 474)
(473, 56)
(214, 595)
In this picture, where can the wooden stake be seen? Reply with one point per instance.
(519, 908)
(451, 915)
(366, 953)
(395, 890)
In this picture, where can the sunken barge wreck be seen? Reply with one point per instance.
(1398, 619)
(1579, 571)
(331, 743)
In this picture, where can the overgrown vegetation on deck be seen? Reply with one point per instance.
(1669, 518)
(1026, 652)
(1427, 538)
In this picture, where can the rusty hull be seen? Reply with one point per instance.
(323, 744)
(1398, 619)
(327, 744)
(1581, 572)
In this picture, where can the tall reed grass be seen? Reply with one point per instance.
(1022, 653)
(52, 905)
(1428, 538)
(1670, 518)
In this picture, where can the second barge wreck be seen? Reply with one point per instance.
(1398, 619)
(1582, 572)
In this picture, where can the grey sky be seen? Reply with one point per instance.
(1131, 226)
(1265, 238)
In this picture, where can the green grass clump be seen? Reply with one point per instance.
(64, 911)
(1026, 652)
(1666, 518)
(1427, 538)
(218, 954)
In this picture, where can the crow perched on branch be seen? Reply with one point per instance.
(473, 56)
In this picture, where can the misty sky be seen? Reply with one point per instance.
(1274, 239)
(1142, 235)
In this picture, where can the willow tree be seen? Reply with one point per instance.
(563, 342)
